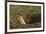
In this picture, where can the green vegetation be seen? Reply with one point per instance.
(23, 9)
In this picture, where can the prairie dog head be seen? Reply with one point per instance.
(21, 19)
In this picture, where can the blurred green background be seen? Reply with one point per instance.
(24, 9)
